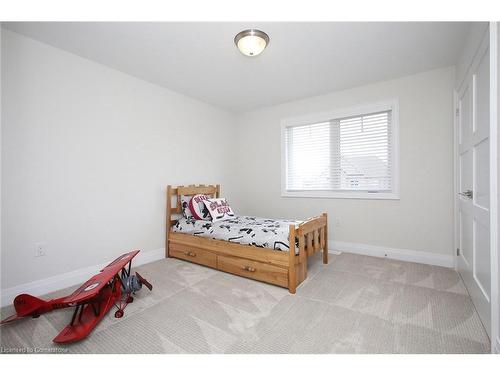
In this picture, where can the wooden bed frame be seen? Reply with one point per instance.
(283, 268)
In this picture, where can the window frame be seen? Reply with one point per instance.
(392, 105)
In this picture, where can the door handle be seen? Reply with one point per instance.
(468, 193)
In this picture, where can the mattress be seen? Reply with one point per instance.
(247, 230)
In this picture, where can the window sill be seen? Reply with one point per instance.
(339, 195)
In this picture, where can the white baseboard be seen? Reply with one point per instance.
(65, 280)
(399, 254)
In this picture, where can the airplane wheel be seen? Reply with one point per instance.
(130, 299)
(118, 314)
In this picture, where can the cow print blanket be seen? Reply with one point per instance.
(249, 230)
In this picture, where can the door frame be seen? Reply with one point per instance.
(456, 181)
(494, 36)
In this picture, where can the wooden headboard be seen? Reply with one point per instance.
(174, 195)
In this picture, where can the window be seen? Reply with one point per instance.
(345, 154)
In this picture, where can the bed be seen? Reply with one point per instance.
(268, 250)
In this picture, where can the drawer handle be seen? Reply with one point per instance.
(190, 254)
(249, 269)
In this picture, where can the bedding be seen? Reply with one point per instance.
(248, 230)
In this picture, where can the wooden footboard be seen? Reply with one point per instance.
(311, 237)
(268, 265)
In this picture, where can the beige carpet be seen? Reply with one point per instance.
(356, 304)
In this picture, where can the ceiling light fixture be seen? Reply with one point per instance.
(251, 42)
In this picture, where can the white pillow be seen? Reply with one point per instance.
(219, 209)
(198, 208)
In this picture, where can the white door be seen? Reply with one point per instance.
(474, 185)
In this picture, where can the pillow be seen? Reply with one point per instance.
(185, 206)
(198, 208)
(219, 209)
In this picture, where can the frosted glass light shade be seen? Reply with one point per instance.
(251, 42)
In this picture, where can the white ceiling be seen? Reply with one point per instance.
(303, 59)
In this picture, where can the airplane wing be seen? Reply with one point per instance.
(89, 316)
(92, 287)
(121, 261)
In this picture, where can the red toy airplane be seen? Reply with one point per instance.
(91, 301)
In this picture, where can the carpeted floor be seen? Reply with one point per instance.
(355, 304)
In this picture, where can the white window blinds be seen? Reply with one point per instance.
(345, 154)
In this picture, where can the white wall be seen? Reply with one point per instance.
(422, 220)
(471, 44)
(86, 154)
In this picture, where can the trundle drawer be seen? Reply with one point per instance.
(203, 257)
(254, 270)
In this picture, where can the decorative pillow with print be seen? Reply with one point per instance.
(186, 211)
(219, 209)
(185, 206)
(198, 208)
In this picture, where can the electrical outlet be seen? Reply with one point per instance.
(40, 249)
(338, 222)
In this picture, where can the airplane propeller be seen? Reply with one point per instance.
(143, 281)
